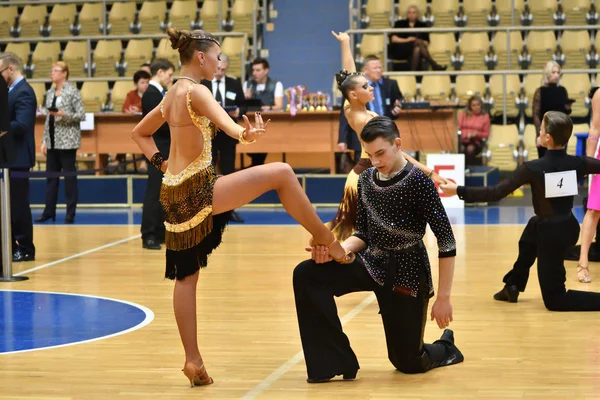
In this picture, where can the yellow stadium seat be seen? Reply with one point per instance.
(90, 18)
(513, 92)
(477, 12)
(44, 55)
(234, 48)
(469, 85)
(441, 47)
(576, 12)
(379, 13)
(444, 12)
(22, 50)
(151, 16)
(541, 46)
(8, 17)
(474, 47)
(119, 94)
(408, 86)
(542, 11)
(164, 50)
(372, 44)
(500, 47)
(120, 18)
(578, 86)
(61, 19)
(31, 20)
(530, 143)
(504, 10)
(137, 53)
(183, 13)
(107, 55)
(435, 88)
(242, 14)
(76, 55)
(503, 141)
(39, 89)
(575, 46)
(209, 15)
(93, 95)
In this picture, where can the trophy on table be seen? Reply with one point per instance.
(311, 101)
(288, 95)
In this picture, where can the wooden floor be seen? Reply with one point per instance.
(249, 336)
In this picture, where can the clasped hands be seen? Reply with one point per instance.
(319, 254)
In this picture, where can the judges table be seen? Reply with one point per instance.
(308, 134)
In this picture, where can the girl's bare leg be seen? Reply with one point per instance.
(240, 188)
(590, 221)
(184, 305)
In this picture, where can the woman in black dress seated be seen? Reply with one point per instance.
(413, 47)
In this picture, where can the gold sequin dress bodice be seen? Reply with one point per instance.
(208, 130)
(186, 197)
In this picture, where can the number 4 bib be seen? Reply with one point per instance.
(561, 184)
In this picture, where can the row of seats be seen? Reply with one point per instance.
(377, 14)
(109, 57)
(519, 95)
(475, 50)
(97, 96)
(506, 146)
(124, 18)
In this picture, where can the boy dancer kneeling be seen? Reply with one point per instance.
(396, 201)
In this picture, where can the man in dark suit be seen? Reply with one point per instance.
(153, 228)
(22, 106)
(387, 102)
(228, 92)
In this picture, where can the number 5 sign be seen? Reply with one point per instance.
(452, 168)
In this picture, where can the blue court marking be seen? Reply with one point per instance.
(490, 215)
(41, 320)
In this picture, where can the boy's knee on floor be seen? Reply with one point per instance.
(409, 365)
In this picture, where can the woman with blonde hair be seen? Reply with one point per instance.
(197, 204)
(412, 46)
(62, 137)
(549, 97)
(474, 124)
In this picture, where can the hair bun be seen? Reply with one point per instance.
(341, 76)
(179, 39)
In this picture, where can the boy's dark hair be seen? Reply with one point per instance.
(141, 74)
(383, 127)
(559, 126)
(161, 64)
(262, 61)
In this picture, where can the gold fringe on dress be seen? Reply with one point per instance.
(187, 204)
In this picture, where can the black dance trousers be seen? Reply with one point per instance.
(153, 227)
(223, 150)
(57, 161)
(548, 239)
(20, 213)
(327, 350)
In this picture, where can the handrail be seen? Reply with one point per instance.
(89, 40)
(479, 29)
(490, 72)
(106, 37)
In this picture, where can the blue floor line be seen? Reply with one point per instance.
(277, 216)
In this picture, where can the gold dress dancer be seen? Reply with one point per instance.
(195, 202)
(357, 94)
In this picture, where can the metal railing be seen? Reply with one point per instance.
(504, 73)
(90, 39)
